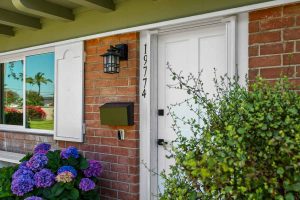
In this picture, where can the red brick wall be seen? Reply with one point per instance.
(274, 43)
(120, 179)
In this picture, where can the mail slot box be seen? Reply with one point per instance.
(117, 114)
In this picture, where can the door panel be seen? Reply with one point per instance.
(192, 51)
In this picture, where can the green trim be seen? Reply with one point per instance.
(44, 9)
(18, 20)
(128, 13)
(6, 30)
(103, 5)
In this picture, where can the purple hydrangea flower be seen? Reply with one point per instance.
(37, 162)
(23, 172)
(94, 169)
(23, 165)
(22, 185)
(69, 152)
(67, 169)
(87, 184)
(44, 178)
(42, 148)
(33, 198)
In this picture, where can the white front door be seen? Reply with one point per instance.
(190, 51)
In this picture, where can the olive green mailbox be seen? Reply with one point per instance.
(117, 114)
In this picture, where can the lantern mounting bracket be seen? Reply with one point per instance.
(122, 49)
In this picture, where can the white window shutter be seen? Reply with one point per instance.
(69, 89)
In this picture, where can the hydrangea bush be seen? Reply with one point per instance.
(54, 175)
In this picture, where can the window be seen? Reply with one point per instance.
(41, 91)
(27, 84)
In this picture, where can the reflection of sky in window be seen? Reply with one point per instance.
(43, 63)
(11, 83)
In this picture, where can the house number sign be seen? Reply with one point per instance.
(145, 62)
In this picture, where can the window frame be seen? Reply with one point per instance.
(22, 56)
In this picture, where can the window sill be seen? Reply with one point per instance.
(16, 129)
(10, 157)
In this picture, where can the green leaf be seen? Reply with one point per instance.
(74, 194)
(295, 187)
(289, 196)
(280, 170)
(57, 189)
(83, 163)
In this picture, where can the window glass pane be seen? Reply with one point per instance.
(40, 91)
(11, 83)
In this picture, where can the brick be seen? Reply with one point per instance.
(127, 196)
(105, 183)
(119, 168)
(90, 50)
(253, 27)
(291, 34)
(108, 158)
(129, 143)
(120, 186)
(253, 73)
(253, 51)
(133, 152)
(134, 188)
(134, 170)
(298, 46)
(291, 59)
(128, 178)
(298, 21)
(109, 141)
(277, 72)
(277, 23)
(271, 49)
(288, 47)
(293, 9)
(104, 132)
(109, 175)
(109, 193)
(265, 14)
(265, 37)
(93, 42)
(130, 90)
(108, 91)
(119, 151)
(265, 61)
(298, 71)
(103, 149)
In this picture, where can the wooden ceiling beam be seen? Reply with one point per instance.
(6, 30)
(10, 18)
(44, 9)
(103, 5)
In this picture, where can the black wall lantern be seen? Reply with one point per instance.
(111, 59)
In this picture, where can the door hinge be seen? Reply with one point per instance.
(161, 112)
(161, 142)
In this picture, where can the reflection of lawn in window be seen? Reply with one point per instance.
(42, 124)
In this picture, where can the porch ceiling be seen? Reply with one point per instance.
(27, 14)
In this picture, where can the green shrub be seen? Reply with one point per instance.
(13, 116)
(5, 180)
(247, 145)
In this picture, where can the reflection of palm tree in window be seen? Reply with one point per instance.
(38, 80)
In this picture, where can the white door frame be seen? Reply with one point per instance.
(148, 84)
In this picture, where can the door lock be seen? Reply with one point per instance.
(161, 142)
